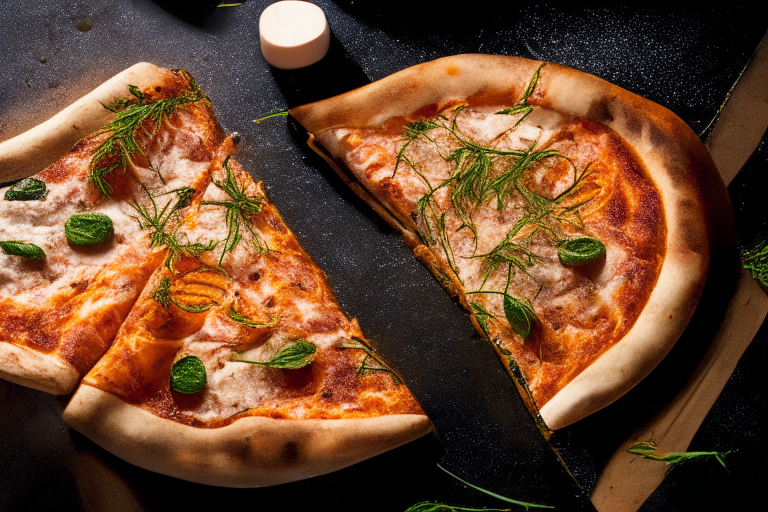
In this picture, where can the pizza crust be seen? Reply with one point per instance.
(250, 452)
(35, 370)
(34, 150)
(697, 207)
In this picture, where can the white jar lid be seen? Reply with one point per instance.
(293, 34)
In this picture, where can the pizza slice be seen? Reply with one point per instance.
(236, 367)
(75, 253)
(572, 219)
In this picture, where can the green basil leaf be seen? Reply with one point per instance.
(519, 315)
(88, 228)
(188, 375)
(26, 190)
(291, 357)
(578, 251)
(237, 317)
(16, 248)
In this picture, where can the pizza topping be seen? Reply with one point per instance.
(24, 249)
(496, 199)
(293, 356)
(159, 222)
(522, 107)
(356, 343)
(240, 208)
(578, 251)
(26, 190)
(88, 228)
(130, 129)
(188, 375)
(237, 317)
(194, 292)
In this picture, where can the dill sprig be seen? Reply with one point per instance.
(426, 506)
(243, 320)
(239, 211)
(755, 259)
(484, 173)
(649, 450)
(356, 343)
(525, 505)
(129, 128)
(522, 107)
(158, 219)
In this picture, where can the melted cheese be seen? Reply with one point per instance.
(581, 310)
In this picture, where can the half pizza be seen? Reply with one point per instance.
(572, 219)
(213, 347)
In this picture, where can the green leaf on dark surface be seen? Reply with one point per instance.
(578, 251)
(523, 504)
(426, 506)
(88, 228)
(755, 259)
(27, 189)
(293, 356)
(24, 249)
(520, 316)
(649, 450)
(188, 375)
(280, 113)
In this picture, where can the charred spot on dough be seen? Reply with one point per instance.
(79, 286)
(600, 111)
(270, 302)
(291, 451)
(692, 238)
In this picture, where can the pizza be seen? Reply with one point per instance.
(156, 274)
(572, 219)
(61, 308)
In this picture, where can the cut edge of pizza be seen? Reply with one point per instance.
(253, 299)
(461, 115)
(252, 444)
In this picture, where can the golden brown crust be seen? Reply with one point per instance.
(694, 200)
(32, 369)
(37, 148)
(250, 452)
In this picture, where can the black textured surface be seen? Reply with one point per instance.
(55, 51)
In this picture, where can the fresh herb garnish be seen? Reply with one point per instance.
(649, 450)
(522, 107)
(356, 343)
(481, 316)
(755, 259)
(281, 113)
(240, 209)
(26, 190)
(237, 317)
(188, 375)
(24, 249)
(578, 251)
(88, 228)
(525, 505)
(426, 506)
(296, 355)
(190, 294)
(157, 220)
(128, 129)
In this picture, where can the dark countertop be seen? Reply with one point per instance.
(53, 52)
